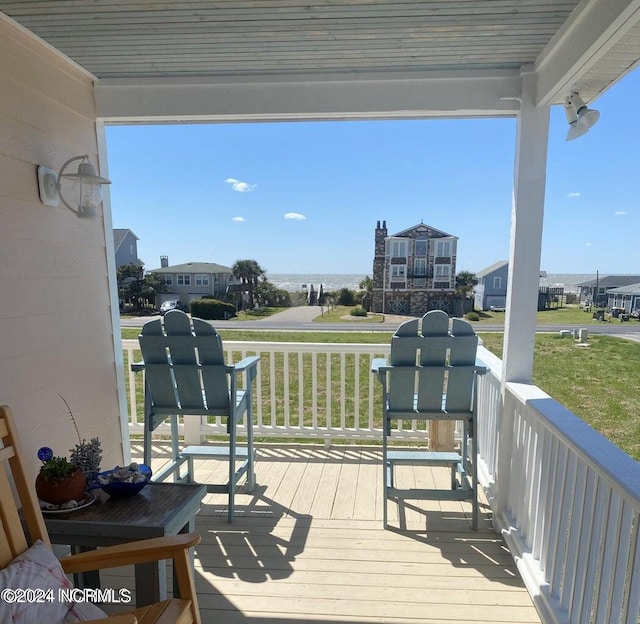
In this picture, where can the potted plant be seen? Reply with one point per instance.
(84, 455)
(59, 480)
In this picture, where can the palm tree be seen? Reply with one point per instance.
(465, 281)
(248, 272)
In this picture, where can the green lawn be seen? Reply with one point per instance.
(340, 314)
(598, 382)
(567, 315)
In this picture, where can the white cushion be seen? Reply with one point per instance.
(38, 569)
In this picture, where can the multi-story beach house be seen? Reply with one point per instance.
(414, 270)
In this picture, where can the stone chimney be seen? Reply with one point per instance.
(380, 236)
(164, 261)
(378, 266)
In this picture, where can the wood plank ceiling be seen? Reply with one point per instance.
(177, 60)
(151, 39)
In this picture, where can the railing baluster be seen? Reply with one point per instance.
(356, 384)
(285, 381)
(328, 393)
(272, 388)
(300, 390)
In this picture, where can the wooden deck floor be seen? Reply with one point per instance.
(308, 546)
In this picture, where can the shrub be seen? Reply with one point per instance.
(472, 316)
(211, 309)
(358, 311)
(345, 297)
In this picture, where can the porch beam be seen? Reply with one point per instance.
(588, 35)
(336, 96)
(526, 235)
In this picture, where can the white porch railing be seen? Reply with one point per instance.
(566, 500)
(303, 390)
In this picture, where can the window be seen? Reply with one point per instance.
(497, 283)
(132, 250)
(443, 249)
(202, 279)
(420, 267)
(442, 271)
(398, 248)
(420, 249)
(183, 279)
(398, 271)
(168, 279)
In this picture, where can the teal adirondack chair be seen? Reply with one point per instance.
(185, 375)
(431, 376)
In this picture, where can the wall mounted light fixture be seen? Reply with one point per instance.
(579, 117)
(85, 187)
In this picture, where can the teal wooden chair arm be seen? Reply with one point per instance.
(379, 366)
(247, 363)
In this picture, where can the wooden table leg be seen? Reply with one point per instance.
(151, 582)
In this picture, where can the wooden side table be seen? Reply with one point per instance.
(159, 509)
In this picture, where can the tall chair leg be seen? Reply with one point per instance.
(474, 455)
(385, 470)
(251, 471)
(232, 466)
(148, 428)
(175, 448)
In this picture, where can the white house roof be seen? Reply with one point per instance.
(290, 59)
(494, 267)
(193, 267)
(431, 231)
(631, 289)
(611, 280)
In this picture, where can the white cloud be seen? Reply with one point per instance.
(588, 245)
(296, 216)
(573, 195)
(240, 187)
(238, 219)
(619, 213)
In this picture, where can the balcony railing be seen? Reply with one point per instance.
(566, 500)
(303, 390)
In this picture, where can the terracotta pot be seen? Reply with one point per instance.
(72, 487)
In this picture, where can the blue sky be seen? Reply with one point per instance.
(305, 197)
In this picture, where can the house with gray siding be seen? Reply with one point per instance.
(626, 297)
(193, 280)
(491, 289)
(125, 244)
(594, 291)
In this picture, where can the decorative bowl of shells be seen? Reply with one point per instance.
(122, 482)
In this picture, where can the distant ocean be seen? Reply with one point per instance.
(296, 282)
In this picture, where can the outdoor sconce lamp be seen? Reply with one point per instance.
(86, 189)
(579, 117)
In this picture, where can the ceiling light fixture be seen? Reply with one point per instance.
(579, 117)
(86, 189)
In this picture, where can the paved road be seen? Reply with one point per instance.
(301, 318)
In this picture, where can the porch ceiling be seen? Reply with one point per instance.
(444, 57)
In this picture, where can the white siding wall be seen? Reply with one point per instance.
(55, 324)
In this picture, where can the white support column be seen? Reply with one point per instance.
(526, 235)
(524, 271)
(107, 223)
